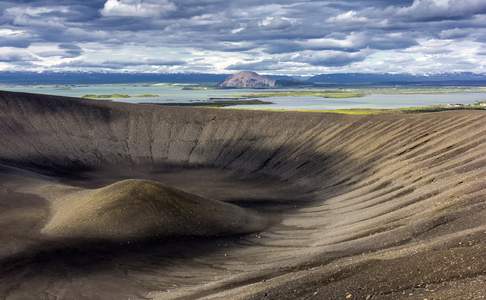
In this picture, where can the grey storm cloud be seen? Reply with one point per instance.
(440, 10)
(62, 50)
(71, 50)
(267, 35)
(331, 59)
(264, 65)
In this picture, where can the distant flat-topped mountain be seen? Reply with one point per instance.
(248, 80)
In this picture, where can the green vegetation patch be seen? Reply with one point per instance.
(118, 96)
(146, 96)
(438, 108)
(423, 90)
(111, 96)
(198, 88)
(350, 111)
(355, 111)
(480, 105)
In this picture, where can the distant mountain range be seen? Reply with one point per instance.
(341, 79)
(107, 78)
(398, 79)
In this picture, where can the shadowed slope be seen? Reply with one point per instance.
(376, 206)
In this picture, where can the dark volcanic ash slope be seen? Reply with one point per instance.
(359, 207)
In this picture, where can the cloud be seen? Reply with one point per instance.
(14, 38)
(427, 10)
(16, 55)
(454, 33)
(264, 65)
(276, 22)
(330, 58)
(32, 11)
(71, 50)
(137, 8)
(121, 64)
(61, 50)
(6, 32)
(361, 40)
(349, 17)
(350, 42)
(274, 36)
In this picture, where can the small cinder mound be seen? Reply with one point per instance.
(139, 209)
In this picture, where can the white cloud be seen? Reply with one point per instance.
(238, 30)
(137, 8)
(6, 32)
(348, 18)
(352, 40)
(276, 22)
(35, 11)
(10, 54)
(430, 56)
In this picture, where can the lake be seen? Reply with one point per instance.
(168, 93)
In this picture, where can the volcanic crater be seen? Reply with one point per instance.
(104, 200)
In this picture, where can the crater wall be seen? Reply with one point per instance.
(394, 191)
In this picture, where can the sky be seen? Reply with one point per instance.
(304, 37)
